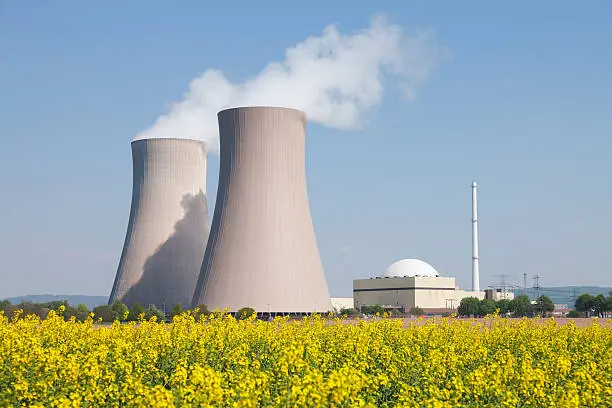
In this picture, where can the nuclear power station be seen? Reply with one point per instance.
(262, 251)
(410, 283)
(168, 225)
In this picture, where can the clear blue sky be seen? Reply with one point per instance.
(520, 108)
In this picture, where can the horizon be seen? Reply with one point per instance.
(522, 112)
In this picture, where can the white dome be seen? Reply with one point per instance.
(409, 267)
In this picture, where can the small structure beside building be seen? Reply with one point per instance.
(561, 309)
(342, 303)
(498, 294)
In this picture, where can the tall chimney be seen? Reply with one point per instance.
(475, 275)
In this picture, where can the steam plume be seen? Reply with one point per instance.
(336, 79)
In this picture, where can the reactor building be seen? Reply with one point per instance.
(410, 283)
(262, 251)
(168, 225)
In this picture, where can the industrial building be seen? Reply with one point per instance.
(410, 283)
(262, 251)
(168, 224)
(499, 294)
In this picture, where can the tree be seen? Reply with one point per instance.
(153, 311)
(575, 313)
(30, 308)
(200, 310)
(136, 311)
(103, 312)
(599, 305)
(119, 311)
(245, 313)
(584, 303)
(521, 306)
(54, 304)
(348, 312)
(5, 305)
(486, 307)
(416, 311)
(469, 306)
(176, 310)
(504, 306)
(80, 313)
(372, 310)
(543, 305)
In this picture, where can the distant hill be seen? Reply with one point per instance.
(565, 294)
(73, 300)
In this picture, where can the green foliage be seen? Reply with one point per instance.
(103, 312)
(599, 305)
(200, 310)
(584, 303)
(504, 306)
(575, 314)
(521, 306)
(372, 310)
(54, 304)
(245, 313)
(110, 313)
(135, 311)
(486, 307)
(469, 306)
(349, 312)
(543, 306)
(119, 311)
(416, 311)
(176, 310)
(154, 311)
(80, 313)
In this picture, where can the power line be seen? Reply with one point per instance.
(536, 286)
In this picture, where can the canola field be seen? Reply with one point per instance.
(314, 362)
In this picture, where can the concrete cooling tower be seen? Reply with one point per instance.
(262, 252)
(168, 225)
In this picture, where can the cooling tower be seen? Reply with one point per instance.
(262, 251)
(168, 225)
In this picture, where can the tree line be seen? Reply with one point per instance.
(106, 313)
(517, 307)
(593, 306)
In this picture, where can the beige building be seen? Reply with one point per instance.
(409, 283)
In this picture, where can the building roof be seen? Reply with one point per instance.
(409, 268)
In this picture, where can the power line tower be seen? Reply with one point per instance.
(536, 286)
(503, 284)
(573, 295)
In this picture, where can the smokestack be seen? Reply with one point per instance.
(475, 272)
(262, 252)
(168, 225)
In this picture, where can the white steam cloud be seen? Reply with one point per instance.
(336, 79)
